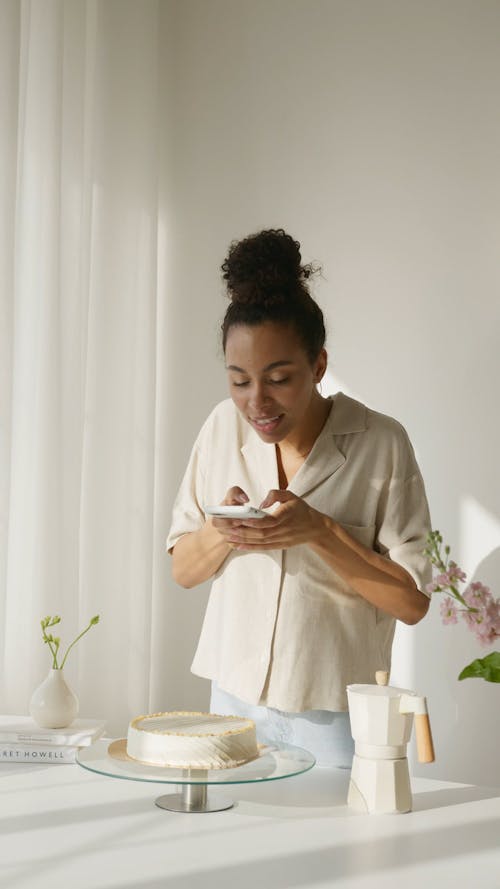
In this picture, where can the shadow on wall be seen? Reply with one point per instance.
(488, 572)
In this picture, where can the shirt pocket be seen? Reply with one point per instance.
(362, 533)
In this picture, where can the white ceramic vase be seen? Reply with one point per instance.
(53, 704)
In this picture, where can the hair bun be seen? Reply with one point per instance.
(265, 268)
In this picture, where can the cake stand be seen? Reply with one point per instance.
(275, 761)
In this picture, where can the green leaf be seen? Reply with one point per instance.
(487, 668)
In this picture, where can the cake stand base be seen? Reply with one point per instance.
(194, 798)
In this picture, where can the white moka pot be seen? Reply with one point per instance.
(381, 722)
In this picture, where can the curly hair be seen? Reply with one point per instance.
(266, 281)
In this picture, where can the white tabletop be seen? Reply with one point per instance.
(62, 826)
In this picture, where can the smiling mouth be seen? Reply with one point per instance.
(266, 424)
(263, 421)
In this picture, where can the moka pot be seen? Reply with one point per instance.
(381, 722)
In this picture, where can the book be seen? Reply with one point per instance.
(29, 753)
(23, 730)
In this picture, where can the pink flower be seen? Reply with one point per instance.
(485, 621)
(442, 580)
(448, 578)
(477, 595)
(490, 629)
(476, 606)
(455, 573)
(475, 622)
(485, 633)
(448, 611)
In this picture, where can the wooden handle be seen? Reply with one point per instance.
(425, 747)
(381, 677)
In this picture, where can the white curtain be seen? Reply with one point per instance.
(82, 350)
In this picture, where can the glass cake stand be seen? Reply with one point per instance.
(275, 761)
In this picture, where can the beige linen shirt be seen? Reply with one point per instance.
(281, 627)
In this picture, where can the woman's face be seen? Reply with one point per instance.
(271, 379)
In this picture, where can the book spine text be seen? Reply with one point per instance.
(36, 753)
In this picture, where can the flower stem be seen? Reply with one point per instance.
(54, 656)
(460, 598)
(53, 650)
(74, 643)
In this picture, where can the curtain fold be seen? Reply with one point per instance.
(80, 523)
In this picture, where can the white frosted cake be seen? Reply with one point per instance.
(189, 740)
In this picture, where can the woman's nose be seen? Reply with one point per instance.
(259, 396)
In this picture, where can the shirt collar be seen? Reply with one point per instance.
(347, 415)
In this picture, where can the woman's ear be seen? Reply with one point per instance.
(320, 366)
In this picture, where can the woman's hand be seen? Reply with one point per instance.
(292, 523)
(235, 496)
(199, 554)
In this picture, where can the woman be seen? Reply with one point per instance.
(304, 601)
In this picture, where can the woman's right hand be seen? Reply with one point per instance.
(199, 554)
(235, 496)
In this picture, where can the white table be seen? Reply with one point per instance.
(62, 826)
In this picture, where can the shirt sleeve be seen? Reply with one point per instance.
(188, 514)
(402, 535)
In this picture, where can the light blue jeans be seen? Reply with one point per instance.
(325, 733)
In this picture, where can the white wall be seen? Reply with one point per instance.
(370, 131)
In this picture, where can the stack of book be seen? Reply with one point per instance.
(22, 740)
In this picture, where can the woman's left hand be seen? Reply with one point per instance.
(294, 522)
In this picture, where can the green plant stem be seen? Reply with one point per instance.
(52, 651)
(74, 643)
(460, 598)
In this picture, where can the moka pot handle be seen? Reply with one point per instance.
(418, 705)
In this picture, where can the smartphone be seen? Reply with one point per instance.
(236, 512)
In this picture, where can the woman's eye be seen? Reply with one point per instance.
(279, 382)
